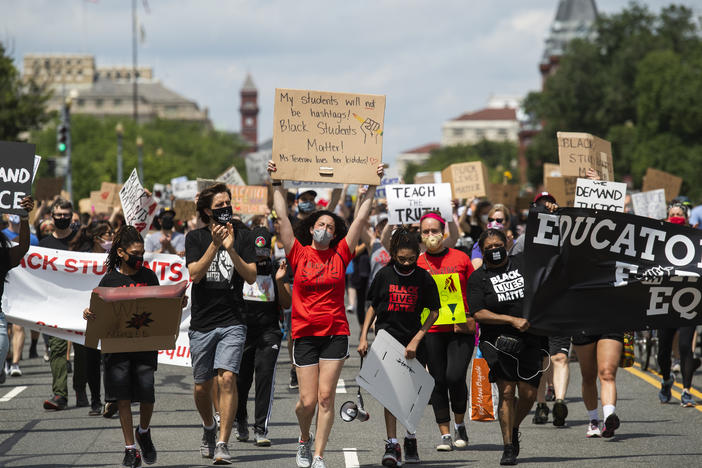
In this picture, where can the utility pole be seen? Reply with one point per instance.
(135, 90)
(120, 132)
(140, 152)
(67, 123)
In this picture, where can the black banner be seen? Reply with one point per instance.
(16, 171)
(592, 272)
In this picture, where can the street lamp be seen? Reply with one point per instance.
(140, 150)
(119, 130)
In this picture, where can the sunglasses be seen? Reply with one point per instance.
(499, 220)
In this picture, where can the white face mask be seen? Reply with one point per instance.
(322, 236)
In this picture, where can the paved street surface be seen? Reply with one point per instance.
(651, 434)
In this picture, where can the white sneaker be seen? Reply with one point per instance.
(15, 370)
(304, 453)
(446, 444)
(593, 430)
(318, 462)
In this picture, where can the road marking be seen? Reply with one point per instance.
(351, 458)
(341, 386)
(693, 391)
(13, 393)
(657, 383)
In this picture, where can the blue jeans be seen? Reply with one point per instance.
(4, 340)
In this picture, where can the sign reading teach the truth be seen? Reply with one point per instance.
(578, 152)
(600, 195)
(16, 172)
(407, 203)
(139, 208)
(324, 136)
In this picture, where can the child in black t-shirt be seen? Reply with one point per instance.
(399, 293)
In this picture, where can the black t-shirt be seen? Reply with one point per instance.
(262, 298)
(50, 242)
(398, 300)
(217, 299)
(143, 277)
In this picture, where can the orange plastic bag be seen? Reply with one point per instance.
(482, 405)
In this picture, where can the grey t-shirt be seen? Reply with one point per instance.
(379, 257)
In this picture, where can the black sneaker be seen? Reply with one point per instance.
(515, 440)
(411, 454)
(69, 367)
(461, 437)
(209, 440)
(146, 445)
(95, 408)
(56, 403)
(82, 399)
(541, 414)
(293, 380)
(560, 412)
(393, 455)
(132, 458)
(110, 410)
(509, 457)
(611, 424)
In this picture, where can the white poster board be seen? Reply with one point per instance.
(139, 208)
(650, 204)
(257, 167)
(185, 190)
(380, 192)
(401, 385)
(600, 195)
(232, 177)
(407, 203)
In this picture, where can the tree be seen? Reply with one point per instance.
(22, 105)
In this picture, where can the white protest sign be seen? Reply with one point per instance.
(185, 190)
(380, 192)
(257, 167)
(232, 177)
(37, 160)
(600, 195)
(650, 204)
(50, 288)
(139, 208)
(401, 385)
(407, 203)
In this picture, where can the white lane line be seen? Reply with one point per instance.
(351, 458)
(13, 393)
(341, 386)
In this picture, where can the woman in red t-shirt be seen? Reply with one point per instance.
(319, 250)
(449, 346)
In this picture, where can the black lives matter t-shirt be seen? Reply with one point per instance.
(217, 300)
(398, 300)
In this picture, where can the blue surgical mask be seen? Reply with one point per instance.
(305, 206)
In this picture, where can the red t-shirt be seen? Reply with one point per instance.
(448, 261)
(318, 290)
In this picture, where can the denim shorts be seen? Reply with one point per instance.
(220, 348)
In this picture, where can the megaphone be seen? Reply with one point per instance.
(350, 410)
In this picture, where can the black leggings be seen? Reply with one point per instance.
(86, 369)
(448, 357)
(665, 347)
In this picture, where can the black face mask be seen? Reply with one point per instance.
(222, 215)
(167, 223)
(61, 223)
(405, 269)
(495, 256)
(134, 261)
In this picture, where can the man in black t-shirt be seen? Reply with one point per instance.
(217, 330)
(62, 214)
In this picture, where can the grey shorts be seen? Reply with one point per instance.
(220, 348)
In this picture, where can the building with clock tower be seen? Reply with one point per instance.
(249, 113)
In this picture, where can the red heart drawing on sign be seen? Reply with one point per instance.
(140, 226)
(373, 160)
(104, 195)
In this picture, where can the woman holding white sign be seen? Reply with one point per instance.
(319, 251)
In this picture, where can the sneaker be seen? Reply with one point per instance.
(686, 400)
(69, 367)
(261, 439)
(146, 445)
(560, 413)
(82, 399)
(461, 437)
(611, 424)
(541, 414)
(445, 444)
(318, 462)
(221, 454)
(293, 380)
(509, 457)
(110, 410)
(550, 394)
(241, 431)
(209, 439)
(515, 440)
(95, 408)
(676, 366)
(393, 455)
(593, 430)
(15, 370)
(411, 454)
(46, 356)
(665, 394)
(132, 458)
(56, 403)
(304, 453)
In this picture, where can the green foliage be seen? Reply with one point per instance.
(186, 149)
(22, 106)
(637, 84)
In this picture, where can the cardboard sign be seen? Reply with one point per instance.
(97, 205)
(135, 319)
(202, 184)
(468, 180)
(185, 210)
(301, 184)
(551, 170)
(257, 167)
(503, 193)
(16, 171)
(600, 195)
(231, 177)
(401, 385)
(138, 207)
(48, 187)
(577, 152)
(324, 136)
(407, 203)
(248, 199)
(84, 206)
(185, 189)
(562, 189)
(651, 204)
(109, 193)
(655, 179)
(428, 178)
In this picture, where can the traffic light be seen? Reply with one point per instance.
(62, 137)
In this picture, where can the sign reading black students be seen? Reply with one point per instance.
(16, 173)
(593, 272)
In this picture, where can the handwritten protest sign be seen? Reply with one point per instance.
(320, 135)
(202, 184)
(97, 204)
(600, 195)
(37, 160)
(231, 177)
(48, 187)
(84, 205)
(468, 180)
(655, 179)
(551, 170)
(577, 152)
(562, 189)
(185, 189)
(380, 192)
(407, 203)
(247, 199)
(138, 207)
(503, 193)
(651, 204)
(184, 209)
(428, 178)
(16, 170)
(256, 167)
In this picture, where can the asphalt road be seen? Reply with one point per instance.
(651, 434)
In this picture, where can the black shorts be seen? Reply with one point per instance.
(526, 367)
(558, 344)
(309, 350)
(582, 340)
(130, 376)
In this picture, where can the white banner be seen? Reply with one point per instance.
(407, 203)
(651, 204)
(50, 288)
(600, 195)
